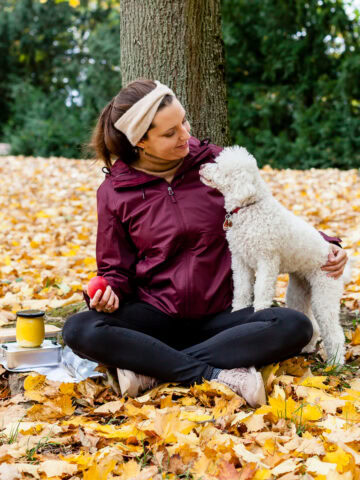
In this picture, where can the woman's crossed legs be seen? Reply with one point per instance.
(143, 339)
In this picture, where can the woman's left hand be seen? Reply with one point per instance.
(337, 259)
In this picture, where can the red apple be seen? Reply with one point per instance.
(95, 284)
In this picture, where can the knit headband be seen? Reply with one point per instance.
(136, 121)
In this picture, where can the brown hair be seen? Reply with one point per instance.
(106, 141)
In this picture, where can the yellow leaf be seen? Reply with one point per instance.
(187, 401)
(67, 388)
(71, 253)
(34, 430)
(74, 3)
(289, 409)
(34, 382)
(54, 408)
(224, 407)
(339, 457)
(195, 416)
(167, 425)
(35, 396)
(200, 467)
(82, 460)
(282, 408)
(349, 413)
(268, 374)
(356, 336)
(129, 469)
(270, 446)
(64, 404)
(101, 472)
(311, 412)
(350, 394)
(42, 214)
(262, 474)
(316, 382)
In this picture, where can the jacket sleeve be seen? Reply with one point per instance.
(334, 240)
(115, 254)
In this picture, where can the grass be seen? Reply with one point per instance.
(343, 372)
(336, 369)
(43, 445)
(57, 316)
(355, 321)
(146, 456)
(299, 424)
(14, 432)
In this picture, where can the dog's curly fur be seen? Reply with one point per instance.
(266, 239)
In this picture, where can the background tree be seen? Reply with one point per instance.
(180, 44)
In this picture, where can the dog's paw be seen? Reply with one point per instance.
(336, 356)
(309, 348)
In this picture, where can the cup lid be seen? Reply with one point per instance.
(30, 313)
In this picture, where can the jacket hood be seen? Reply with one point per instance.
(123, 175)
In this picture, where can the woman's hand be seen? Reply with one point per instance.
(106, 302)
(336, 261)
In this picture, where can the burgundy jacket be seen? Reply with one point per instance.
(163, 243)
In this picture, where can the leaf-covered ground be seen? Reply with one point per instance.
(310, 427)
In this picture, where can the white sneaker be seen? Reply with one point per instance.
(246, 382)
(132, 383)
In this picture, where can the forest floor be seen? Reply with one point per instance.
(310, 426)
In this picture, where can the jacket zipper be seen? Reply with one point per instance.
(172, 194)
(173, 199)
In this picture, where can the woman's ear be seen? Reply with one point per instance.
(140, 144)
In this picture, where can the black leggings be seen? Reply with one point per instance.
(141, 338)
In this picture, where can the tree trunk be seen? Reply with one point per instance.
(179, 43)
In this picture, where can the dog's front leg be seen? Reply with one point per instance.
(266, 276)
(243, 278)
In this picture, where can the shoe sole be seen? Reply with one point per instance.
(260, 390)
(126, 383)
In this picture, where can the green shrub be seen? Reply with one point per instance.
(294, 93)
(63, 67)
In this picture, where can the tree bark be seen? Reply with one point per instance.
(179, 43)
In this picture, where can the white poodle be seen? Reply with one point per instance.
(265, 239)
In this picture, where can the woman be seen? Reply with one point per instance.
(166, 313)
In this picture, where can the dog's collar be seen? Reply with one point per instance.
(236, 210)
(227, 222)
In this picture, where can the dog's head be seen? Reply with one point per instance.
(235, 174)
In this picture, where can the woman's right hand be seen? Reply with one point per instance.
(106, 302)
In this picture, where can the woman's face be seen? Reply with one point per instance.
(168, 139)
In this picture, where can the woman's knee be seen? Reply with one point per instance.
(73, 330)
(296, 324)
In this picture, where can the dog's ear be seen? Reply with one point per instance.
(244, 186)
